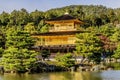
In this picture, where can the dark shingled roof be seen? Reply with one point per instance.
(63, 17)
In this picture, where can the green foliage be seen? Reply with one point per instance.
(16, 55)
(107, 30)
(1, 51)
(110, 38)
(19, 39)
(2, 43)
(18, 59)
(117, 53)
(98, 22)
(44, 29)
(19, 17)
(2, 39)
(65, 60)
(45, 54)
(40, 25)
(36, 16)
(115, 36)
(116, 66)
(89, 45)
(30, 28)
(4, 18)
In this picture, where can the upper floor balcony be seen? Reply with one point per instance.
(61, 27)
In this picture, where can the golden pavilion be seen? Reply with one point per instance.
(61, 36)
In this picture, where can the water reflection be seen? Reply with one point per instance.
(75, 76)
(105, 75)
(111, 75)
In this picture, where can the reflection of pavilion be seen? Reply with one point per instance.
(75, 76)
(66, 76)
(61, 35)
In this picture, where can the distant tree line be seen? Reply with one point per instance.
(92, 16)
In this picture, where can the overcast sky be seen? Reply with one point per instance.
(43, 5)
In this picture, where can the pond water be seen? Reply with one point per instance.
(104, 75)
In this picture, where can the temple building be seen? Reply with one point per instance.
(61, 36)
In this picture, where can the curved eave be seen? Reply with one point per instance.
(65, 21)
(58, 33)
